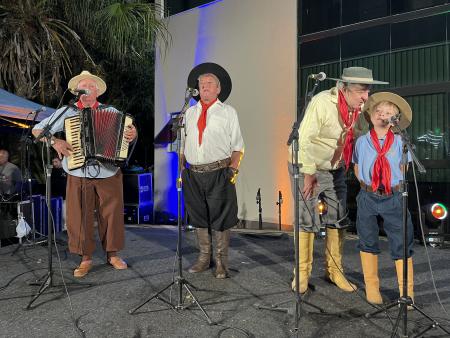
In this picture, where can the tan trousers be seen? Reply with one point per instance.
(83, 196)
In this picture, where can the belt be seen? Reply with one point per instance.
(204, 168)
(380, 192)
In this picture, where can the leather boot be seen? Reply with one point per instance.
(222, 243)
(306, 246)
(369, 264)
(204, 244)
(410, 285)
(333, 258)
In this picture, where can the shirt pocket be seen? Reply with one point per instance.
(217, 124)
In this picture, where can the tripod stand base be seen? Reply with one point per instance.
(405, 304)
(182, 283)
(46, 282)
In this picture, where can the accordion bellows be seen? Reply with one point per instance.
(97, 135)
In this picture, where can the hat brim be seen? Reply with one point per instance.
(362, 81)
(73, 82)
(213, 68)
(403, 107)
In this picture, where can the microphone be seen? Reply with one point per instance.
(37, 111)
(318, 77)
(80, 91)
(192, 92)
(394, 120)
(258, 196)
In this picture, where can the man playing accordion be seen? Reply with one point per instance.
(93, 190)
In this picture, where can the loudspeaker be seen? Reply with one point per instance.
(138, 214)
(56, 210)
(137, 189)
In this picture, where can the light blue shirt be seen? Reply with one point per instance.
(365, 154)
(101, 170)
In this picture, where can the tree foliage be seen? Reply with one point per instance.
(44, 43)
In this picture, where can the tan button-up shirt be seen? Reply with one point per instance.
(322, 134)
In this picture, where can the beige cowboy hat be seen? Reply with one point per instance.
(403, 107)
(73, 83)
(357, 75)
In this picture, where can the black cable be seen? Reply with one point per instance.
(425, 244)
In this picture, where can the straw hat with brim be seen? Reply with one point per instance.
(212, 68)
(357, 75)
(73, 83)
(403, 107)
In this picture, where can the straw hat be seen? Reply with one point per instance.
(403, 107)
(357, 75)
(73, 83)
(213, 68)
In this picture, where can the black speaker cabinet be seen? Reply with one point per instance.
(138, 213)
(137, 189)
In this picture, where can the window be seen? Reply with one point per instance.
(319, 50)
(419, 32)
(365, 41)
(357, 11)
(402, 6)
(318, 15)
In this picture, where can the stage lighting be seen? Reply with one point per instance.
(321, 205)
(322, 209)
(435, 222)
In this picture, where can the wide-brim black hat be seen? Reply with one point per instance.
(213, 68)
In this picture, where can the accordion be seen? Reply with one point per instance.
(97, 135)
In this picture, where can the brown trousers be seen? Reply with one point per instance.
(83, 196)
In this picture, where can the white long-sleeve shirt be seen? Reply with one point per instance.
(221, 136)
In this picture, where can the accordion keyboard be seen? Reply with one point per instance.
(73, 137)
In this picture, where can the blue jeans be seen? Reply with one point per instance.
(390, 209)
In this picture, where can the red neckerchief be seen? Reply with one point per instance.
(201, 124)
(80, 105)
(349, 120)
(381, 168)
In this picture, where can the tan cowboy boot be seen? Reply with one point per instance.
(333, 257)
(204, 244)
(369, 264)
(222, 243)
(410, 285)
(306, 246)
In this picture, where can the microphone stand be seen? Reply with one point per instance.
(405, 301)
(178, 280)
(294, 141)
(46, 281)
(258, 201)
(279, 202)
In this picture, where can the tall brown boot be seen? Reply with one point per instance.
(204, 244)
(410, 285)
(369, 264)
(222, 243)
(333, 257)
(306, 247)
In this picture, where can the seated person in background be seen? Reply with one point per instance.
(10, 176)
(379, 169)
